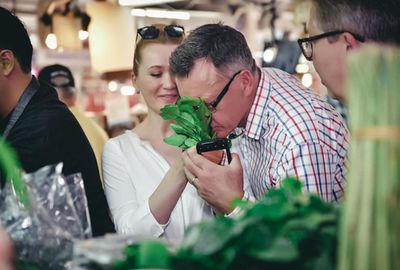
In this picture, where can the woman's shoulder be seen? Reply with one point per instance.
(127, 139)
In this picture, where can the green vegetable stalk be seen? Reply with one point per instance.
(192, 122)
(370, 225)
(11, 168)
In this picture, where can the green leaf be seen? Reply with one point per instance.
(152, 254)
(281, 250)
(324, 261)
(292, 186)
(182, 131)
(194, 105)
(120, 265)
(175, 140)
(189, 142)
(317, 204)
(310, 222)
(330, 231)
(188, 125)
(169, 112)
(188, 118)
(242, 204)
(211, 236)
(10, 165)
(253, 234)
(273, 211)
(192, 235)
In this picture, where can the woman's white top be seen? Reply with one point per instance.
(132, 170)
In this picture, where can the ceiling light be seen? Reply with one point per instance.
(51, 41)
(307, 80)
(159, 13)
(205, 14)
(138, 12)
(127, 90)
(138, 3)
(302, 59)
(83, 35)
(113, 86)
(269, 54)
(302, 68)
(179, 15)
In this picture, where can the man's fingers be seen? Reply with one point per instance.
(191, 161)
(235, 163)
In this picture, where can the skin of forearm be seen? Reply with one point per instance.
(166, 195)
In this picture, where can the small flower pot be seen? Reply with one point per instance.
(217, 156)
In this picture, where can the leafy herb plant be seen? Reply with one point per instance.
(284, 230)
(11, 168)
(192, 122)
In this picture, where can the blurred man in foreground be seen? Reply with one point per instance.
(38, 126)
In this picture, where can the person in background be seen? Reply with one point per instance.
(288, 130)
(38, 126)
(61, 78)
(337, 27)
(144, 180)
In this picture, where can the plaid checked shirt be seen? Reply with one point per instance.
(291, 131)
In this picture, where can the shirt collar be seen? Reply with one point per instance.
(258, 110)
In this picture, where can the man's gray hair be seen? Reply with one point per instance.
(375, 20)
(224, 46)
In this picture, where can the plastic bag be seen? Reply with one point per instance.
(43, 233)
(77, 190)
(101, 252)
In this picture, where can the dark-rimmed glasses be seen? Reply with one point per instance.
(306, 44)
(152, 32)
(212, 106)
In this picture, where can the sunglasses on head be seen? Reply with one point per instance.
(152, 32)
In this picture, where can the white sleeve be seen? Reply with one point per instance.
(248, 196)
(130, 215)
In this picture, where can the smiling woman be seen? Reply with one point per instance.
(144, 180)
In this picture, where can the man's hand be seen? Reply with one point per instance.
(216, 184)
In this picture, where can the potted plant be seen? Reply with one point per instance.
(192, 124)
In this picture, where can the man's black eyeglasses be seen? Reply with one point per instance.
(152, 32)
(306, 44)
(212, 106)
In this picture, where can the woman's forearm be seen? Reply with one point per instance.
(165, 197)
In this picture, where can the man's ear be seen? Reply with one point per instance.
(7, 62)
(351, 41)
(247, 80)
